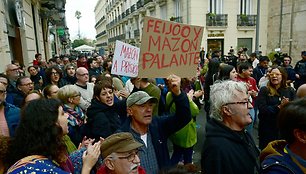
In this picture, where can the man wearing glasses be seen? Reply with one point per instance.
(120, 154)
(228, 147)
(12, 72)
(24, 87)
(85, 88)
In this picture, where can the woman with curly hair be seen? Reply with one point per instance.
(38, 141)
(54, 76)
(270, 100)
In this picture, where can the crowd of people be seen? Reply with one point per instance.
(74, 116)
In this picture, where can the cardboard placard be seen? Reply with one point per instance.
(169, 48)
(125, 61)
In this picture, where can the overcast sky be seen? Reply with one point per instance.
(87, 21)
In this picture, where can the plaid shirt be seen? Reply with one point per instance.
(147, 154)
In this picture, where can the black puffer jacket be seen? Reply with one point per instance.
(103, 120)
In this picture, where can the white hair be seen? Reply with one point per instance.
(221, 93)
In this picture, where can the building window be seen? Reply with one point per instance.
(216, 6)
(245, 7)
(177, 8)
(163, 12)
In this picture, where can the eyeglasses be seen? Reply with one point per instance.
(28, 84)
(2, 91)
(275, 74)
(249, 103)
(54, 73)
(131, 157)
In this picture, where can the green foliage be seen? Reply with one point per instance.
(82, 41)
(212, 15)
(78, 14)
(271, 56)
(78, 42)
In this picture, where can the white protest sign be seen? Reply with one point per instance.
(125, 61)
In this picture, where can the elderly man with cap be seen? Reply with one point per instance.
(153, 132)
(120, 154)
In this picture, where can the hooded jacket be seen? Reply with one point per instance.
(228, 151)
(276, 160)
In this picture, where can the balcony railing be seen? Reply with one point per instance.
(139, 4)
(101, 34)
(246, 20)
(216, 20)
(102, 44)
(127, 12)
(103, 17)
(136, 33)
(133, 8)
(119, 37)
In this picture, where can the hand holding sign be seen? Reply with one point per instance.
(174, 83)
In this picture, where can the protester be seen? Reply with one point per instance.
(288, 155)
(85, 88)
(33, 95)
(271, 99)
(227, 72)
(70, 97)
(145, 85)
(41, 148)
(300, 69)
(54, 76)
(50, 91)
(35, 77)
(228, 148)
(245, 71)
(38, 58)
(93, 67)
(151, 131)
(289, 69)
(70, 74)
(10, 117)
(261, 68)
(184, 139)
(4, 80)
(24, 86)
(12, 72)
(120, 154)
(103, 114)
(210, 78)
(301, 91)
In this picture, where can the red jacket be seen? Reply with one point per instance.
(103, 170)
